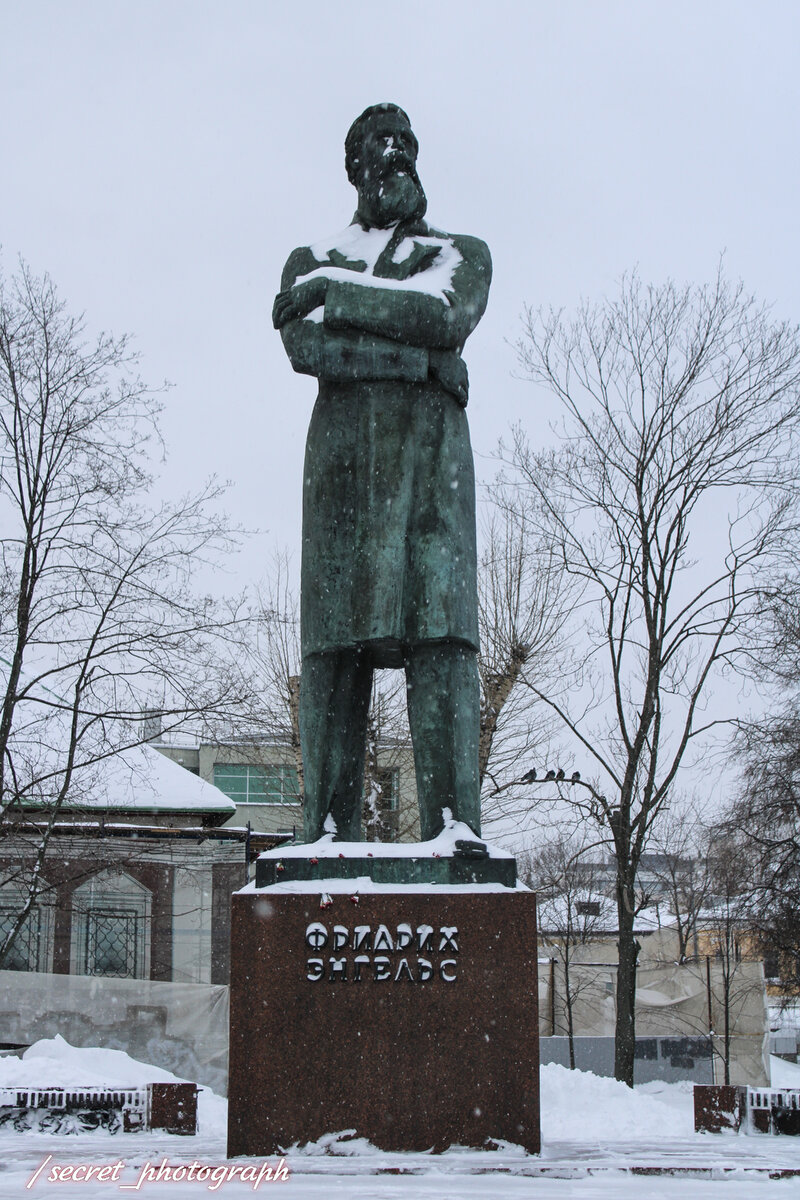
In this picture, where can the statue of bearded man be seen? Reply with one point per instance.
(380, 314)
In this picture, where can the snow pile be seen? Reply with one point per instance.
(576, 1105)
(53, 1062)
(580, 1106)
(343, 1144)
(783, 1074)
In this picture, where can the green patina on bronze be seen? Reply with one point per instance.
(379, 314)
(446, 869)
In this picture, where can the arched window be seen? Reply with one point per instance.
(111, 927)
(32, 948)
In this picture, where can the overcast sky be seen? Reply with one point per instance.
(161, 159)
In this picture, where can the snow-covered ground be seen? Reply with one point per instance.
(589, 1125)
(783, 1074)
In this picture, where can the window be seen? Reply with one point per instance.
(33, 946)
(246, 784)
(588, 908)
(111, 944)
(24, 952)
(111, 927)
(387, 782)
(772, 967)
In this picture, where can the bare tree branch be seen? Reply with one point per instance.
(98, 614)
(673, 498)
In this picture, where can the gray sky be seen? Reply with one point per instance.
(161, 159)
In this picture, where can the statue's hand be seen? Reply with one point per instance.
(450, 371)
(299, 301)
(426, 258)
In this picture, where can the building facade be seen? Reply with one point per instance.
(134, 884)
(261, 777)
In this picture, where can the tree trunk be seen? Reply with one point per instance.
(625, 1031)
(570, 1024)
(497, 687)
(294, 720)
(373, 814)
(726, 998)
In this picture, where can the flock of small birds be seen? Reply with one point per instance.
(558, 776)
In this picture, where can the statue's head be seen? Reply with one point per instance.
(380, 154)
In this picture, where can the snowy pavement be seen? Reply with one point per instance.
(600, 1140)
(714, 1169)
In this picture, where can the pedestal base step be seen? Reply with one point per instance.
(383, 868)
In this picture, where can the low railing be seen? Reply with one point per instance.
(755, 1110)
(171, 1107)
(774, 1110)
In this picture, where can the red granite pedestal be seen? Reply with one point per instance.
(409, 1018)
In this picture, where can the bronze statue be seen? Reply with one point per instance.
(379, 314)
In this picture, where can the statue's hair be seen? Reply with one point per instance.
(352, 143)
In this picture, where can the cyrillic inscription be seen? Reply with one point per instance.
(381, 954)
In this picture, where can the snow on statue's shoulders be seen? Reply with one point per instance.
(355, 244)
(351, 257)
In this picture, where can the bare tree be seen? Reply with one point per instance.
(570, 897)
(524, 600)
(766, 818)
(271, 647)
(671, 496)
(388, 763)
(678, 860)
(97, 610)
(726, 921)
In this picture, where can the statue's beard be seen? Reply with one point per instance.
(391, 196)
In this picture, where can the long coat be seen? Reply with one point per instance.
(389, 546)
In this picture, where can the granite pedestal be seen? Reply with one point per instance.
(407, 1015)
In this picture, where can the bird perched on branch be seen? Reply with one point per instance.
(529, 776)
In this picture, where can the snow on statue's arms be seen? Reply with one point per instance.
(437, 307)
(363, 250)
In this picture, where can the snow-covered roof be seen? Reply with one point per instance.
(136, 779)
(601, 917)
(143, 780)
